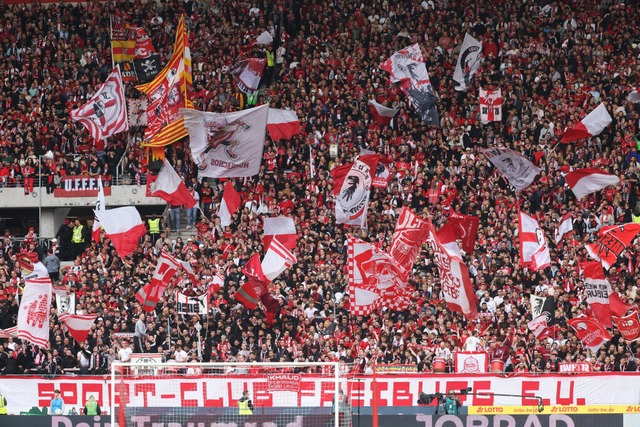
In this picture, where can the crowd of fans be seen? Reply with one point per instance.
(554, 64)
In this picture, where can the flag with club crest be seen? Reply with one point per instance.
(469, 60)
(518, 170)
(105, 114)
(34, 311)
(375, 280)
(354, 188)
(612, 242)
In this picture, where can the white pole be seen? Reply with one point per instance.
(112, 397)
(40, 196)
(336, 387)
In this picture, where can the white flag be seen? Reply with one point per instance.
(66, 304)
(191, 305)
(468, 63)
(227, 145)
(518, 170)
(33, 315)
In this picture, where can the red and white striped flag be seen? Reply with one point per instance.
(593, 124)
(282, 124)
(597, 290)
(124, 227)
(106, 112)
(381, 114)
(150, 294)
(9, 332)
(100, 206)
(170, 188)
(79, 325)
(534, 252)
(251, 292)
(230, 203)
(565, 227)
(33, 314)
(276, 260)
(280, 228)
(589, 180)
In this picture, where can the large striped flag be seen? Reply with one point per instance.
(168, 92)
(79, 325)
(33, 314)
(106, 112)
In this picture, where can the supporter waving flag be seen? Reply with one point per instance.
(589, 180)
(30, 266)
(469, 60)
(381, 114)
(33, 314)
(376, 280)
(276, 260)
(124, 227)
(592, 125)
(565, 227)
(105, 114)
(490, 105)
(612, 242)
(79, 325)
(229, 204)
(150, 294)
(168, 93)
(282, 124)
(408, 236)
(282, 229)
(534, 252)
(590, 332)
(170, 188)
(406, 64)
(250, 72)
(463, 227)
(227, 145)
(629, 326)
(597, 291)
(353, 198)
(518, 170)
(454, 277)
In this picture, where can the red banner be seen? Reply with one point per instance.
(80, 186)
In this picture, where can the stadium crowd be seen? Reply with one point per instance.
(554, 64)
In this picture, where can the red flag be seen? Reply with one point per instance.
(250, 293)
(375, 280)
(170, 188)
(231, 202)
(281, 228)
(79, 325)
(253, 269)
(608, 248)
(593, 124)
(539, 327)
(105, 114)
(629, 326)
(150, 294)
(408, 236)
(617, 306)
(271, 306)
(454, 277)
(597, 290)
(464, 227)
(590, 332)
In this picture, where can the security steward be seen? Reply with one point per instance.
(3, 404)
(245, 406)
(78, 239)
(154, 228)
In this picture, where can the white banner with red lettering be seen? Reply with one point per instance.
(22, 393)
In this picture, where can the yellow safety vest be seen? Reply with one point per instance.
(92, 408)
(78, 235)
(270, 59)
(154, 226)
(243, 407)
(3, 407)
(635, 219)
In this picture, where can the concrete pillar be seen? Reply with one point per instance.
(51, 220)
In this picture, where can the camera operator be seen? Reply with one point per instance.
(452, 403)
